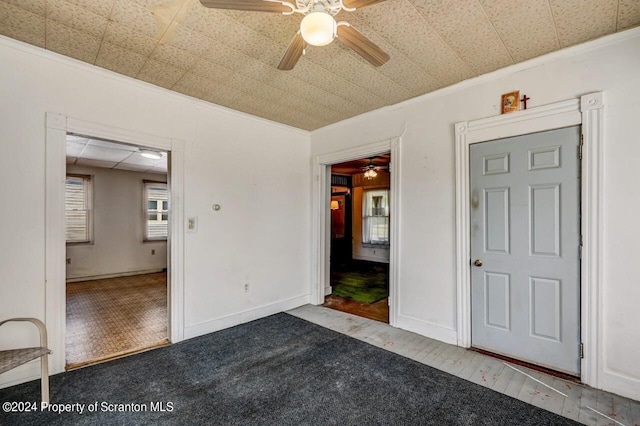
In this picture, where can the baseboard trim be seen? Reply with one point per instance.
(227, 321)
(427, 329)
(24, 373)
(620, 384)
(116, 275)
(31, 371)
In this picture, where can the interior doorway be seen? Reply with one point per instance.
(117, 215)
(360, 237)
(321, 219)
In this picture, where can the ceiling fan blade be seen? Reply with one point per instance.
(248, 5)
(292, 54)
(362, 45)
(359, 4)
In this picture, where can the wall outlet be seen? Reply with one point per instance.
(246, 287)
(153, 251)
(192, 224)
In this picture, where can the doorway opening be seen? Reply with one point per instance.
(116, 231)
(360, 237)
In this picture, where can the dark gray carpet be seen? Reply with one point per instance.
(278, 370)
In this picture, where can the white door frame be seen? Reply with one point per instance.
(321, 240)
(55, 245)
(588, 112)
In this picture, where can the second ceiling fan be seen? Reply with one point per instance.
(318, 27)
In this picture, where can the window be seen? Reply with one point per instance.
(156, 202)
(78, 215)
(375, 217)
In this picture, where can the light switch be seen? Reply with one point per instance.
(192, 224)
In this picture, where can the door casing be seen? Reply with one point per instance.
(57, 127)
(588, 112)
(321, 238)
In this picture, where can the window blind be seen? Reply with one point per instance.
(77, 209)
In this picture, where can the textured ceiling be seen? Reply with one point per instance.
(229, 57)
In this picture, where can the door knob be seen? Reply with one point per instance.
(477, 262)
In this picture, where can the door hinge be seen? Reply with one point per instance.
(581, 350)
(580, 146)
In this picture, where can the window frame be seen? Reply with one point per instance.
(88, 187)
(145, 211)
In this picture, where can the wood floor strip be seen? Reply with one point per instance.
(503, 381)
(635, 412)
(604, 419)
(621, 409)
(106, 358)
(472, 366)
(571, 406)
(538, 379)
(461, 363)
(535, 387)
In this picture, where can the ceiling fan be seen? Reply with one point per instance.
(318, 27)
(371, 170)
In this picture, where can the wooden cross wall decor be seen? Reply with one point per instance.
(524, 100)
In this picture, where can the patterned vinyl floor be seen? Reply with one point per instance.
(115, 316)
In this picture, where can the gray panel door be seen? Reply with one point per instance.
(525, 232)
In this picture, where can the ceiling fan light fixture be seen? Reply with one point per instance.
(370, 174)
(147, 153)
(318, 28)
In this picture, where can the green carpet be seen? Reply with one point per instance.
(362, 281)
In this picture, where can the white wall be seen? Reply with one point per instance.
(427, 287)
(118, 227)
(258, 171)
